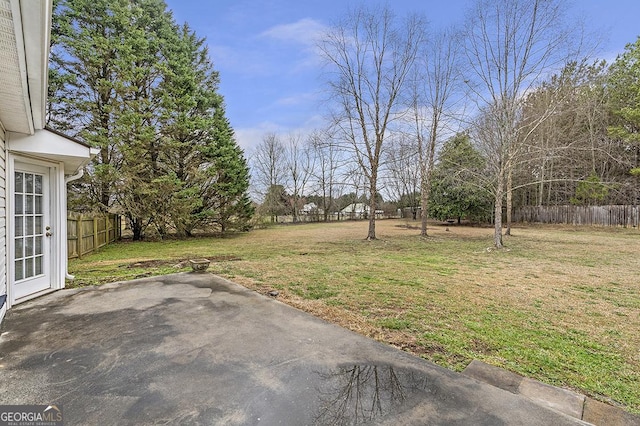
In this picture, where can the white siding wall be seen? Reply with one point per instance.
(3, 223)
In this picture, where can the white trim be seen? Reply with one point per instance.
(9, 209)
(34, 295)
(67, 181)
(36, 20)
(22, 61)
(4, 260)
(50, 146)
(58, 224)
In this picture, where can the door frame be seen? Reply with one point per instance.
(58, 227)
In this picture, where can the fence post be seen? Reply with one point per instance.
(79, 235)
(79, 218)
(95, 233)
(107, 226)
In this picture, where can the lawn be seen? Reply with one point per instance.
(559, 304)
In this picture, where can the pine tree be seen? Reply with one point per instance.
(457, 190)
(201, 151)
(624, 89)
(83, 97)
(230, 202)
(129, 80)
(142, 186)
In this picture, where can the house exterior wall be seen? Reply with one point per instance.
(24, 50)
(3, 226)
(56, 219)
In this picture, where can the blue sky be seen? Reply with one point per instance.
(269, 71)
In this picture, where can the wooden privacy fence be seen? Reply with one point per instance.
(625, 216)
(86, 233)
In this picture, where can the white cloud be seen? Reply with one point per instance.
(249, 138)
(296, 99)
(303, 36)
(306, 31)
(287, 45)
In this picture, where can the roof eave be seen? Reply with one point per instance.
(36, 25)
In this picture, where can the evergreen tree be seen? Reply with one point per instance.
(590, 191)
(130, 81)
(624, 90)
(83, 97)
(143, 189)
(229, 205)
(275, 202)
(624, 86)
(200, 148)
(190, 100)
(456, 188)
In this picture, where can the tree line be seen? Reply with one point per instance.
(509, 110)
(506, 110)
(127, 79)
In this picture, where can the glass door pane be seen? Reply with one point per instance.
(29, 217)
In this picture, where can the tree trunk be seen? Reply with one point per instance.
(294, 211)
(105, 194)
(425, 182)
(424, 193)
(325, 208)
(497, 234)
(371, 235)
(509, 201)
(424, 204)
(136, 228)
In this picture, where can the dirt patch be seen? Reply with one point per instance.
(180, 263)
(482, 347)
(407, 226)
(409, 343)
(223, 258)
(149, 264)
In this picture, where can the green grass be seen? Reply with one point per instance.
(560, 305)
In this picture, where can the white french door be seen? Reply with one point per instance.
(31, 247)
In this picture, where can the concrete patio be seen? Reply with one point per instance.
(197, 349)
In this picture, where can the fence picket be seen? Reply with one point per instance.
(613, 215)
(88, 233)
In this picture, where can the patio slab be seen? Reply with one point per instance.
(197, 349)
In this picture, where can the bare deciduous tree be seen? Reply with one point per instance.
(370, 55)
(268, 164)
(404, 173)
(571, 143)
(438, 74)
(269, 168)
(328, 161)
(299, 167)
(512, 45)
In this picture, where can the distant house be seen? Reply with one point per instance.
(359, 211)
(355, 211)
(35, 163)
(311, 209)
